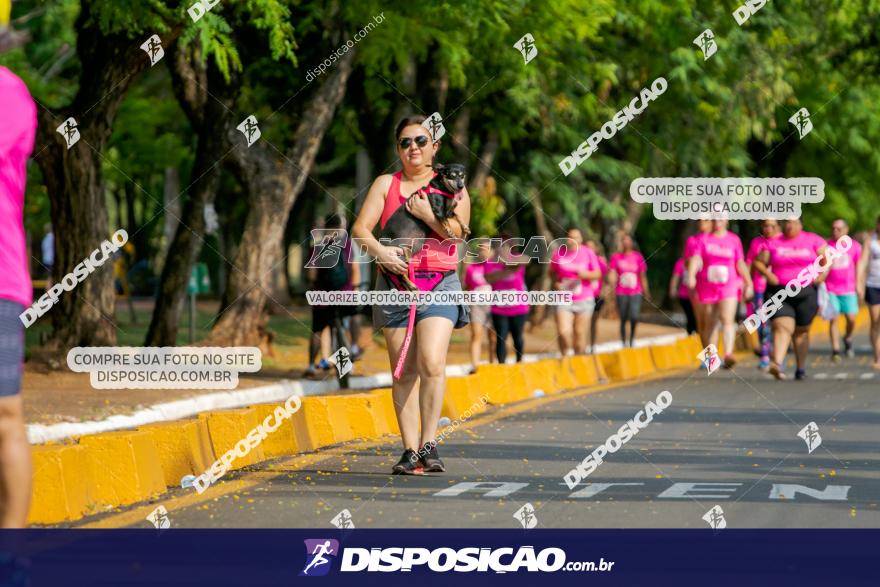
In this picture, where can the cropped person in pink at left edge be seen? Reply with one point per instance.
(18, 124)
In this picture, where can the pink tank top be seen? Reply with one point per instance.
(435, 255)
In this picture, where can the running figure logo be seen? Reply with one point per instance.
(249, 129)
(706, 43)
(710, 359)
(801, 121)
(434, 125)
(317, 553)
(526, 46)
(715, 518)
(328, 247)
(810, 434)
(342, 358)
(526, 516)
(343, 518)
(159, 518)
(69, 131)
(153, 47)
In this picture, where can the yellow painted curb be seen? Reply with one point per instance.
(315, 425)
(124, 467)
(229, 427)
(62, 487)
(565, 378)
(181, 449)
(365, 416)
(337, 405)
(668, 356)
(386, 404)
(476, 395)
(281, 442)
(457, 398)
(586, 369)
(539, 375)
(497, 382)
(628, 363)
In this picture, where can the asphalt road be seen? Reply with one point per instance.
(729, 439)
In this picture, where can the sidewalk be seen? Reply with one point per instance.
(63, 396)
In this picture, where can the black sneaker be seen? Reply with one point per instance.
(800, 374)
(409, 464)
(430, 459)
(848, 348)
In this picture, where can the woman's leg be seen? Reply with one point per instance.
(593, 322)
(501, 327)
(565, 329)
(688, 308)
(801, 345)
(403, 390)
(727, 309)
(492, 342)
(623, 310)
(517, 325)
(581, 325)
(477, 330)
(433, 344)
(711, 323)
(783, 330)
(874, 312)
(635, 308)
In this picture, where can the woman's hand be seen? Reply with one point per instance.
(418, 206)
(391, 259)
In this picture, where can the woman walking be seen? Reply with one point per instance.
(781, 262)
(628, 272)
(869, 287)
(769, 231)
(507, 272)
(575, 269)
(481, 318)
(598, 293)
(418, 392)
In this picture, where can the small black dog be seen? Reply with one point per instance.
(441, 191)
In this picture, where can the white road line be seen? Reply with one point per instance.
(821, 375)
(841, 376)
(867, 376)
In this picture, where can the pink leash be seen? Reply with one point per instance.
(409, 331)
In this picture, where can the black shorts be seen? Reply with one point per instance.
(872, 296)
(802, 307)
(600, 301)
(323, 316)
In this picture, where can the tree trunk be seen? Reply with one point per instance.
(212, 119)
(544, 282)
(109, 64)
(272, 187)
(484, 165)
(171, 206)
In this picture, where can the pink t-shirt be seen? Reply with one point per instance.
(789, 256)
(679, 270)
(758, 244)
(720, 255)
(692, 244)
(603, 270)
(474, 277)
(515, 281)
(842, 275)
(18, 125)
(566, 267)
(629, 268)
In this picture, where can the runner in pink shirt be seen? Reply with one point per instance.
(780, 262)
(720, 258)
(507, 272)
(18, 125)
(481, 319)
(629, 274)
(841, 284)
(769, 231)
(576, 269)
(678, 289)
(691, 248)
(598, 287)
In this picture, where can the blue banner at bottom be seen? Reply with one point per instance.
(431, 557)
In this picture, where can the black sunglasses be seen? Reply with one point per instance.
(421, 142)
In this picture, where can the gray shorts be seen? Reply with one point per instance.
(11, 347)
(398, 316)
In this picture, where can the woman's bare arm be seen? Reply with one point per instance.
(390, 258)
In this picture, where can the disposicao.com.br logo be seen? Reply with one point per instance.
(442, 560)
